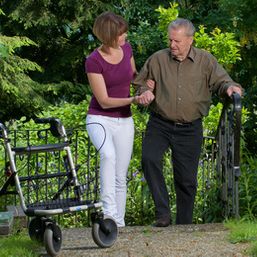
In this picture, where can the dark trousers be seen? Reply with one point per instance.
(185, 142)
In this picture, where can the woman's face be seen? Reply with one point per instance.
(122, 39)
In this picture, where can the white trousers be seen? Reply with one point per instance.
(115, 155)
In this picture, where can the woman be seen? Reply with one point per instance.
(110, 69)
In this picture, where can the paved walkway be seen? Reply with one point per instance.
(206, 240)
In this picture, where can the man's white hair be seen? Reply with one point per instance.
(185, 23)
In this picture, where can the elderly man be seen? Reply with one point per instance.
(184, 79)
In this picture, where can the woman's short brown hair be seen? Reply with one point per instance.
(108, 26)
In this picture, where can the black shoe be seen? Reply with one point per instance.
(162, 222)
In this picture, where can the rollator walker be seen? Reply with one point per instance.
(63, 195)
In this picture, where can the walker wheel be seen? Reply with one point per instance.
(105, 232)
(53, 239)
(36, 229)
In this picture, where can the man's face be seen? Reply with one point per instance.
(180, 43)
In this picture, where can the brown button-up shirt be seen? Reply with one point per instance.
(183, 89)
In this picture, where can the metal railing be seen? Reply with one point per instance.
(228, 155)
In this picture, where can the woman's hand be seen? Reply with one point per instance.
(151, 84)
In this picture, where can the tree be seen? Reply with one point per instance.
(62, 30)
(241, 16)
(18, 92)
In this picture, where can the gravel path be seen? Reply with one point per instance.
(205, 240)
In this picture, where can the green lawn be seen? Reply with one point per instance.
(243, 231)
(18, 244)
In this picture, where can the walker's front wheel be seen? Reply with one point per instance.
(104, 232)
(53, 239)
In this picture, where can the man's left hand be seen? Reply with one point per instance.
(234, 89)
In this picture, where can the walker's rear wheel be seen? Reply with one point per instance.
(36, 229)
(53, 239)
(105, 232)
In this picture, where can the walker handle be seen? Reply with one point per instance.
(44, 120)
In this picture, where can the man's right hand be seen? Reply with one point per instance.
(145, 98)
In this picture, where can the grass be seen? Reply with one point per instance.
(18, 244)
(242, 231)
